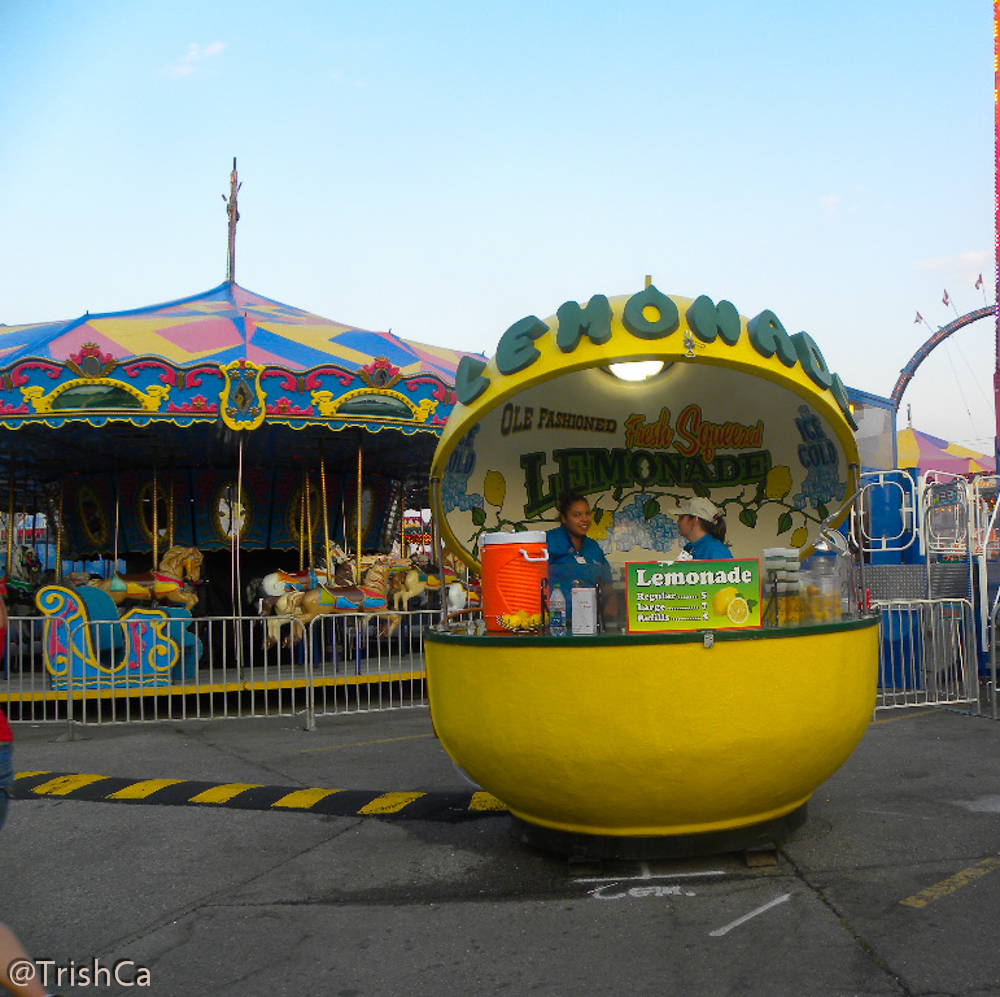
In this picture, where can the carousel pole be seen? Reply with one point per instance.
(170, 507)
(358, 506)
(59, 522)
(34, 520)
(10, 520)
(156, 520)
(343, 514)
(302, 524)
(309, 519)
(118, 504)
(326, 516)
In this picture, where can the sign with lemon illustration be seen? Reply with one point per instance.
(637, 403)
(693, 595)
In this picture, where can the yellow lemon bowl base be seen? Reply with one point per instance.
(654, 735)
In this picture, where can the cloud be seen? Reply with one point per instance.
(837, 206)
(964, 266)
(832, 204)
(196, 59)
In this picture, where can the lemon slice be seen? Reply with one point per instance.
(722, 599)
(738, 610)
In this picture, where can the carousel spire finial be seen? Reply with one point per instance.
(234, 217)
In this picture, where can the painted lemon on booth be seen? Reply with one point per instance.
(722, 599)
(738, 610)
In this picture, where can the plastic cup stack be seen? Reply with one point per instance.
(781, 574)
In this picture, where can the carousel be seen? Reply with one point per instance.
(209, 454)
(703, 711)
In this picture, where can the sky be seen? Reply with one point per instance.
(445, 169)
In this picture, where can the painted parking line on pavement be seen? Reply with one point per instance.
(908, 715)
(948, 886)
(435, 806)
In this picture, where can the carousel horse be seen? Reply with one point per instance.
(415, 580)
(23, 579)
(267, 590)
(368, 598)
(179, 567)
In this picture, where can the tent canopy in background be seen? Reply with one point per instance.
(931, 453)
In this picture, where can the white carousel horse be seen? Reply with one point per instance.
(179, 567)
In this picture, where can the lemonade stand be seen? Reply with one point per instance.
(700, 716)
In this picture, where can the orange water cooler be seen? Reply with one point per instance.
(514, 567)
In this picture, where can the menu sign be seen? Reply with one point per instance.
(693, 595)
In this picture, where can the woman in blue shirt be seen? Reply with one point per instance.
(573, 556)
(703, 526)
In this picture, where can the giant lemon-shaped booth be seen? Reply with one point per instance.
(651, 737)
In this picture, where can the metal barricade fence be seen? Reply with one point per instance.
(927, 653)
(369, 662)
(26, 694)
(148, 669)
(222, 667)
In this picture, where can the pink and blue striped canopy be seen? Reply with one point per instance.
(224, 324)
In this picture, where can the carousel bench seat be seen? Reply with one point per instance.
(85, 638)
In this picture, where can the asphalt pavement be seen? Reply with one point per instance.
(415, 885)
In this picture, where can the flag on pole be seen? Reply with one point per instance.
(946, 300)
(979, 283)
(918, 319)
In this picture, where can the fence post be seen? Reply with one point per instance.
(309, 639)
(70, 722)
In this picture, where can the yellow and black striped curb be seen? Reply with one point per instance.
(437, 806)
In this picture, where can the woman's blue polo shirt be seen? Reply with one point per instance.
(588, 566)
(709, 549)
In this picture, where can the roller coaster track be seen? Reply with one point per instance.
(906, 374)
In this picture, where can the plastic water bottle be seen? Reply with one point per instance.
(557, 613)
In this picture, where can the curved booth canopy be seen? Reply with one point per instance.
(639, 402)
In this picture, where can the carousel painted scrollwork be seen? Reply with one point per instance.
(95, 393)
(374, 403)
(242, 400)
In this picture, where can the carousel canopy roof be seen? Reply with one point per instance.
(219, 326)
(186, 381)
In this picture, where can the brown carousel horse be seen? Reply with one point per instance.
(180, 565)
(369, 597)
